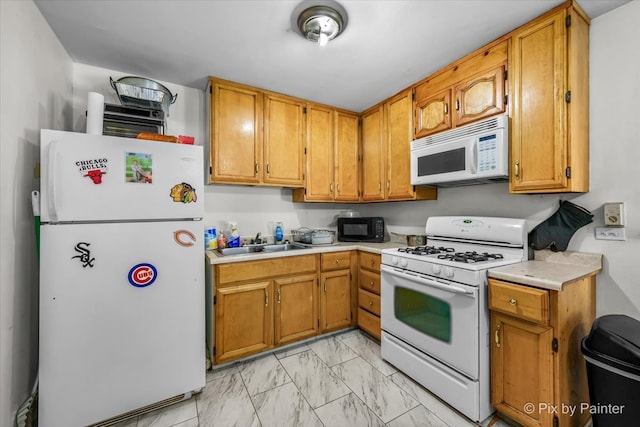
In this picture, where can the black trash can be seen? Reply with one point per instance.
(612, 353)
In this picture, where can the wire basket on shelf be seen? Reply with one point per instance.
(313, 236)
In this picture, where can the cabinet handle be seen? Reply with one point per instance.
(266, 298)
(457, 105)
(388, 184)
(497, 336)
(516, 169)
(512, 301)
(337, 261)
(370, 303)
(446, 108)
(373, 261)
(257, 168)
(379, 186)
(371, 284)
(268, 169)
(325, 286)
(331, 187)
(278, 296)
(338, 188)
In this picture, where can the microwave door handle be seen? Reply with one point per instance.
(426, 282)
(473, 165)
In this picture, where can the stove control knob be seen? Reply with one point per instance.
(448, 272)
(394, 260)
(403, 262)
(436, 269)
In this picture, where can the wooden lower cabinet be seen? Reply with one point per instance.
(337, 290)
(537, 368)
(369, 293)
(244, 320)
(296, 308)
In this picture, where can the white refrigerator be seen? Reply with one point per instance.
(122, 312)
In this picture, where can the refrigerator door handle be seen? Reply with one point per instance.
(51, 181)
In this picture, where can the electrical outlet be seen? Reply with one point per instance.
(614, 214)
(610, 233)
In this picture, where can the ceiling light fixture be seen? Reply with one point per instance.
(321, 24)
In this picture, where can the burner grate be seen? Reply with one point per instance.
(470, 256)
(426, 250)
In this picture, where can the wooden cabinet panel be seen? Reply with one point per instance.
(335, 260)
(296, 308)
(369, 323)
(399, 133)
(236, 116)
(432, 113)
(521, 369)
(283, 141)
(369, 301)
(370, 261)
(479, 97)
(521, 301)
(549, 77)
(373, 154)
(335, 307)
(320, 154)
(347, 153)
(244, 320)
(253, 270)
(369, 281)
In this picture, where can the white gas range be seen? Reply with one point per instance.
(435, 318)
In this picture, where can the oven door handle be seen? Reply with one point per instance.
(427, 282)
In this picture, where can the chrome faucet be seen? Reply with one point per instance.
(257, 240)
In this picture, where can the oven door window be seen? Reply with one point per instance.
(425, 313)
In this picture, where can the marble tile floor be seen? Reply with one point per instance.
(333, 381)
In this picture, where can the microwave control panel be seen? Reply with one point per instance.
(488, 153)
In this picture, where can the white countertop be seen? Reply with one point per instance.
(550, 270)
(375, 248)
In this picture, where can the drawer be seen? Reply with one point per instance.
(518, 300)
(369, 301)
(335, 260)
(369, 261)
(369, 322)
(256, 270)
(369, 281)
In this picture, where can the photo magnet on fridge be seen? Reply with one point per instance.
(93, 168)
(138, 168)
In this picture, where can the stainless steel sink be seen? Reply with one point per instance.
(255, 249)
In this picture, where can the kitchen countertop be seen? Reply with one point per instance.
(375, 248)
(550, 270)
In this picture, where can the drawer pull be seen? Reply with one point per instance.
(337, 261)
(371, 284)
(370, 303)
(497, 336)
(513, 301)
(266, 298)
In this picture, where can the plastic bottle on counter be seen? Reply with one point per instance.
(207, 237)
(278, 233)
(213, 239)
(222, 241)
(234, 237)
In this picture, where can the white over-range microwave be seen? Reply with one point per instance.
(476, 153)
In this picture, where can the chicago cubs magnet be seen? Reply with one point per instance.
(142, 275)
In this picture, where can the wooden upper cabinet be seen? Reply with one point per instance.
(347, 152)
(257, 137)
(373, 154)
(550, 111)
(333, 143)
(399, 131)
(236, 133)
(468, 90)
(283, 140)
(320, 154)
(479, 97)
(432, 113)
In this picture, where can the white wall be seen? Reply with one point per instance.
(35, 88)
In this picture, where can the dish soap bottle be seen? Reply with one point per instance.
(234, 237)
(278, 233)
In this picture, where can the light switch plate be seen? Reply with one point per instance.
(610, 233)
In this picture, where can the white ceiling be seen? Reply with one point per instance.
(387, 45)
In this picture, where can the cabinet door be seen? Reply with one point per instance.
(283, 141)
(538, 124)
(399, 130)
(432, 114)
(296, 308)
(335, 300)
(236, 115)
(521, 370)
(244, 320)
(480, 96)
(320, 155)
(347, 152)
(373, 154)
